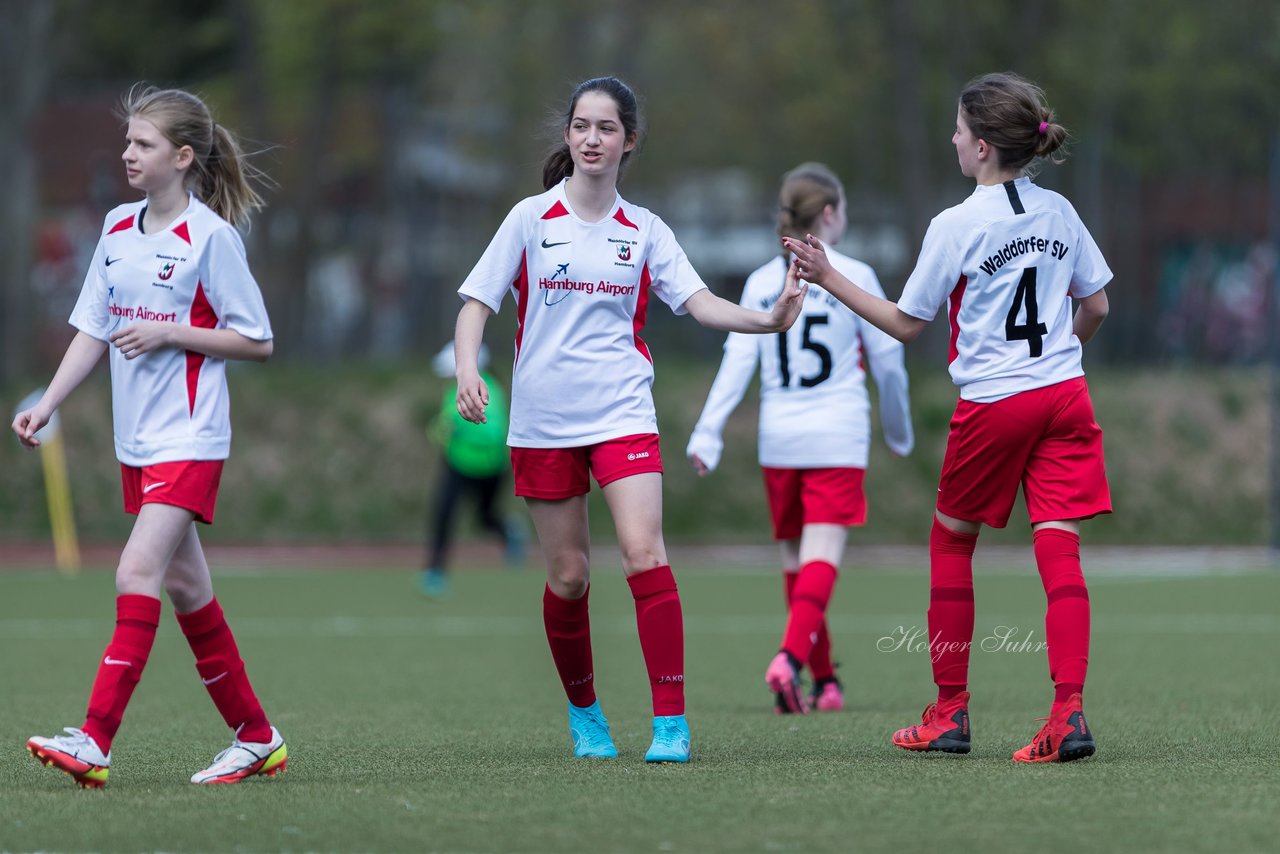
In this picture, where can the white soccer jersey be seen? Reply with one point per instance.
(814, 408)
(582, 373)
(170, 404)
(1010, 258)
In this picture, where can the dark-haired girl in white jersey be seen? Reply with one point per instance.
(1007, 263)
(815, 428)
(170, 296)
(582, 265)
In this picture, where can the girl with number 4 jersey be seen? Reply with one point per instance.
(815, 428)
(1006, 264)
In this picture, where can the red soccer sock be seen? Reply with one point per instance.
(568, 626)
(950, 607)
(808, 613)
(222, 672)
(820, 664)
(1066, 619)
(661, 626)
(137, 618)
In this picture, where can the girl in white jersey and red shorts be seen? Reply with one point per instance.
(1007, 264)
(813, 466)
(170, 296)
(582, 265)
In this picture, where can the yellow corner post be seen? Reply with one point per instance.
(57, 488)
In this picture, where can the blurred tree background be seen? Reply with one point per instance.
(399, 132)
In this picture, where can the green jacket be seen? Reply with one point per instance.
(475, 450)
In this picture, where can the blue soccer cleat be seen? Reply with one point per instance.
(670, 740)
(434, 583)
(590, 731)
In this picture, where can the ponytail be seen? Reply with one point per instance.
(1052, 138)
(223, 179)
(557, 166)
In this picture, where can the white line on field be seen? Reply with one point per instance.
(718, 625)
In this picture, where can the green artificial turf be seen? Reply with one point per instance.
(416, 725)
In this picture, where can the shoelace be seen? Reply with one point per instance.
(235, 743)
(930, 712)
(77, 736)
(595, 735)
(668, 732)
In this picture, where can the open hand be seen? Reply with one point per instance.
(790, 301)
(811, 257)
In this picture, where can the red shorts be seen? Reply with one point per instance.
(189, 484)
(799, 497)
(556, 473)
(1046, 439)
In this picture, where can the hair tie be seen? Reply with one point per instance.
(1044, 127)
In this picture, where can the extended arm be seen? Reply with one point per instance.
(879, 312)
(714, 312)
(83, 353)
(1090, 312)
(473, 394)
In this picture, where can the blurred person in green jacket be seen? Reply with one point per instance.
(476, 461)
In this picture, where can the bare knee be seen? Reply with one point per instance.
(187, 588)
(638, 558)
(138, 578)
(568, 573)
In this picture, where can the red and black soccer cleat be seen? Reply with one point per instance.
(943, 726)
(1064, 737)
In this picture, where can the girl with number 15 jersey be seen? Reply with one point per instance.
(815, 428)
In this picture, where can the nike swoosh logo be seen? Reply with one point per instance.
(116, 661)
(214, 679)
(111, 261)
(151, 486)
(545, 244)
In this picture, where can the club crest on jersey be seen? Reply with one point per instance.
(622, 248)
(166, 272)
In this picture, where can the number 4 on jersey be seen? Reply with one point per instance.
(1033, 331)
